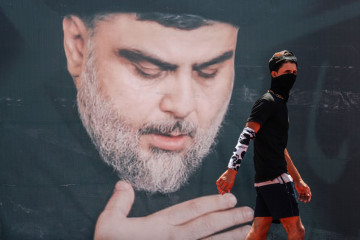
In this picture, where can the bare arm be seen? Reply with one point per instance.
(291, 167)
(253, 125)
(301, 187)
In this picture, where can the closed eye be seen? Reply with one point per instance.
(210, 68)
(207, 73)
(148, 70)
(145, 65)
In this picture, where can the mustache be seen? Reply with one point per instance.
(166, 128)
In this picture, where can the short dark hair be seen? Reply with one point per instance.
(279, 58)
(179, 21)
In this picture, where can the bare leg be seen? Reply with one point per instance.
(259, 228)
(294, 228)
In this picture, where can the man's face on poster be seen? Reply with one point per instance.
(153, 97)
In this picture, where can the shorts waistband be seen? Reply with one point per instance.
(283, 178)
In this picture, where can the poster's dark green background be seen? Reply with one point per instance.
(53, 185)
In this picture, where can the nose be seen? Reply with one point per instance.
(179, 99)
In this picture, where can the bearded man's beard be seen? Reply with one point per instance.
(154, 170)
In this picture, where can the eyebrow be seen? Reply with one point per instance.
(139, 56)
(222, 58)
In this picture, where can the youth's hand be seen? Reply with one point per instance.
(226, 181)
(304, 191)
(194, 219)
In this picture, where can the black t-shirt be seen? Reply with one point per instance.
(271, 140)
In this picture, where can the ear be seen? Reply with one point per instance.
(75, 37)
(274, 74)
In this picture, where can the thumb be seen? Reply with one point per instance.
(122, 199)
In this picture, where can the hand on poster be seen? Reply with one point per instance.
(194, 219)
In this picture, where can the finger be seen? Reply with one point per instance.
(305, 198)
(221, 184)
(214, 222)
(225, 186)
(186, 211)
(310, 195)
(225, 189)
(122, 198)
(218, 186)
(301, 198)
(225, 182)
(218, 182)
(238, 234)
(220, 190)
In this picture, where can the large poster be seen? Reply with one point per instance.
(174, 100)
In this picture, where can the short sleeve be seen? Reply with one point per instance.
(261, 111)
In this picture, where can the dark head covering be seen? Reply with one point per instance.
(228, 11)
(282, 84)
(279, 58)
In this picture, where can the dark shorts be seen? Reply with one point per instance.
(276, 201)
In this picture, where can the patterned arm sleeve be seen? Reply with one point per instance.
(241, 148)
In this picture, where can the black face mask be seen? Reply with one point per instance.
(282, 84)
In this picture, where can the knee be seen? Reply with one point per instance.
(256, 234)
(299, 233)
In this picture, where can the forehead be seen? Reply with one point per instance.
(126, 31)
(181, 21)
(288, 66)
